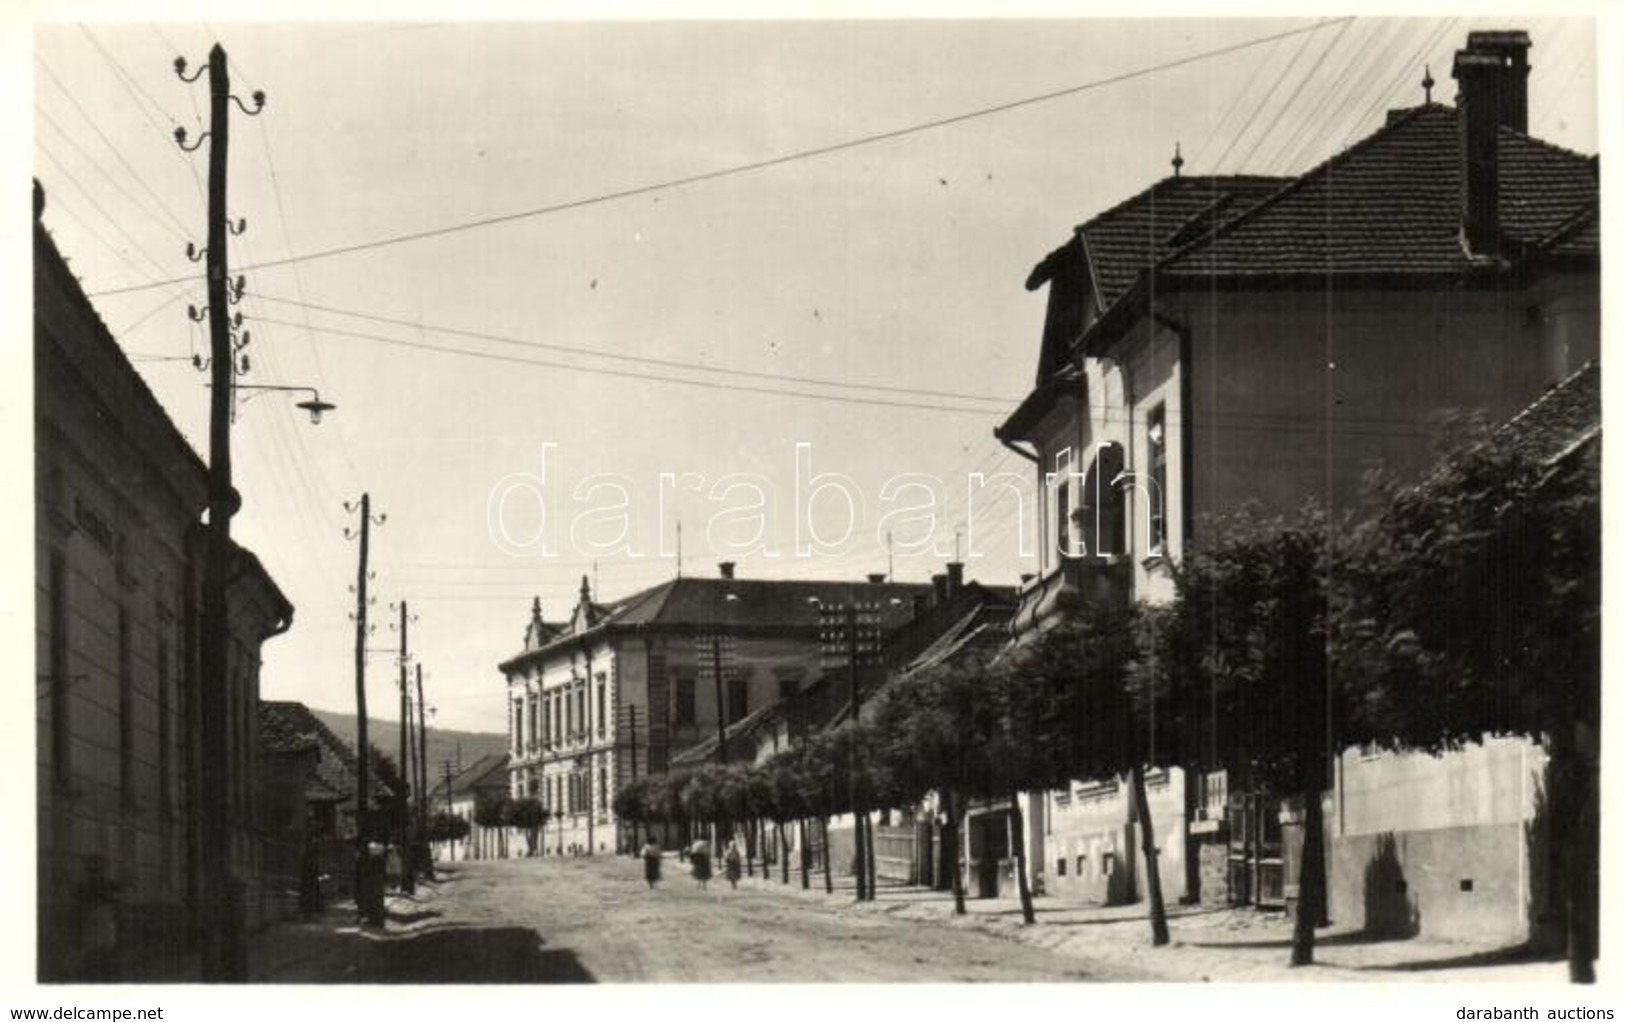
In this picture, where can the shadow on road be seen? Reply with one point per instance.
(451, 954)
(1472, 960)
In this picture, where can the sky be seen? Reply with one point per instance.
(568, 335)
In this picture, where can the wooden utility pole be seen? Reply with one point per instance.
(222, 923)
(722, 710)
(403, 828)
(860, 815)
(423, 782)
(369, 895)
(632, 731)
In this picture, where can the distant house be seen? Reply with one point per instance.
(118, 494)
(1215, 341)
(619, 690)
(485, 782)
(330, 787)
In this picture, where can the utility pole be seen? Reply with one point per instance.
(722, 709)
(446, 765)
(860, 813)
(369, 888)
(632, 731)
(221, 908)
(402, 826)
(423, 782)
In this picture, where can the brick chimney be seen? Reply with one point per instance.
(726, 568)
(1492, 74)
(876, 577)
(956, 578)
(939, 589)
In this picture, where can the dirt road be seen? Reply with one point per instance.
(594, 920)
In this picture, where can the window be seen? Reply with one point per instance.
(59, 680)
(603, 787)
(530, 712)
(547, 721)
(126, 711)
(570, 715)
(558, 719)
(581, 709)
(788, 687)
(685, 701)
(602, 693)
(1101, 502)
(1156, 440)
(1063, 503)
(738, 699)
(518, 726)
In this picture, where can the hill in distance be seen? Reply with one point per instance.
(442, 746)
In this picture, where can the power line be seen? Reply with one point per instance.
(707, 384)
(775, 161)
(638, 359)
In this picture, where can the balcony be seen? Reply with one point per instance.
(1086, 580)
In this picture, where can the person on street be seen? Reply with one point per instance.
(730, 860)
(651, 862)
(699, 858)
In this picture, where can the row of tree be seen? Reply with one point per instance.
(1464, 606)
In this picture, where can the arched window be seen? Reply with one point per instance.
(1099, 524)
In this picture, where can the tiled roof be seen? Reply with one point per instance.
(1567, 415)
(1134, 235)
(723, 604)
(488, 772)
(289, 722)
(1391, 204)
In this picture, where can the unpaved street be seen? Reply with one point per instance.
(594, 920)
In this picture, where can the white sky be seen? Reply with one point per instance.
(896, 264)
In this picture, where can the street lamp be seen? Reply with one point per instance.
(315, 406)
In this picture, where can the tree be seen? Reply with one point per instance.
(447, 827)
(1079, 702)
(1243, 656)
(530, 816)
(1471, 606)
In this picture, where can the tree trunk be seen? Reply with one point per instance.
(870, 864)
(1193, 862)
(860, 871)
(1153, 872)
(829, 882)
(1018, 843)
(750, 847)
(784, 853)
(806, 854)
(956, 817)
(1311, 881)
(1574, 802)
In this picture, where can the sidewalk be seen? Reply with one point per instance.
(332, 946)
(1207, 945)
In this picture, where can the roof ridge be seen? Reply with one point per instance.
(1169, 182)
(1302, 181)
(1595, 365)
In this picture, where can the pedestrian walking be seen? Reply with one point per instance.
(392, 867)
(699, 858)
(651, 862)
(730, 862)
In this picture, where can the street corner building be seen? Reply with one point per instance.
(1215, 341)
(118, 498)
(618, 691)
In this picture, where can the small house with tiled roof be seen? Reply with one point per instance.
(617, 690)
(330, 782)
(461, 793)
(1212, 342)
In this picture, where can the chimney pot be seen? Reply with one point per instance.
(726, 568)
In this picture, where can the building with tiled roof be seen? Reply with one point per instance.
(461, 794)
(619, 689)
(331, 783)
(1271, 348)
(118, 554)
